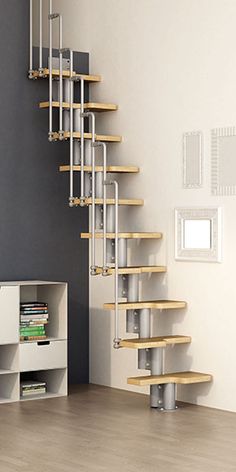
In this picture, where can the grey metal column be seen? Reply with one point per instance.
(169, 396)
(111, 219)
(66, 112)
(132, 296)
(122, 252)
(144, 332)
(77, 142)
(156, 391)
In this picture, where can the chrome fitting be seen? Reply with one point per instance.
(71, 202)
(105, 271)
(116, 343)
(61, 135)
(30, 74)
(41, 72)
(50, 137)
(82, 201)
(53, 16)
(93, 270)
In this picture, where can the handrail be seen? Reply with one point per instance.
(93, 145)
(50, 133)
(71, 198)
(82, 196)
(40, 38)
(31, 41)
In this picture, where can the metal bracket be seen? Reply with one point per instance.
(110, 251)
(122, 286)
(99, 217)
(53, 16)
(132, 321)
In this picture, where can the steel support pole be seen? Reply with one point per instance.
(77, 143)
(71, 88)
(116, 342)
(156, 391)
(31, 41)
(40, 38)
(169, 391)
(110, 218)
(50, 133)
(61, 132)
(82, 198)
(144, 332)
(122, 252)
(133, 288)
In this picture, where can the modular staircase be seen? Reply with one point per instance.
(94, 181)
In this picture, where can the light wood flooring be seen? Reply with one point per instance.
(98, 429)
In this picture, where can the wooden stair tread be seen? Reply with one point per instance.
(111, 201)
(175, 377)
(98, 137)
(92, 106)
(113, 169)
(123, 235)
(158, 341)
(66, 74)
(134, 270)
(158, 304)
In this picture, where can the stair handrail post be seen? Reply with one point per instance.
(82, 196)
(91, 115)
(50, 18)
(31, 41)
(105, 267)
(116, 342)
(40, 38)
(61, 132)
(71, 198)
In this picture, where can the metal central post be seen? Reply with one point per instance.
(156, 391)
(144, 332)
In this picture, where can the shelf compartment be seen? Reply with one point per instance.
(41, 355)
(56, 297)
(9, 309)
(56, 383)
(9, 358)
(9, 387)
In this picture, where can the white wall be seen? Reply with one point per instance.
(171, 67)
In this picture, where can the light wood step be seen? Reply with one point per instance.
(123, 235)
(175, 377)
(134, 270)
(160, 341)
(111, 201)
(66, 75)
(90, 106)
(99, 137)
(158, 304)
(112, 169)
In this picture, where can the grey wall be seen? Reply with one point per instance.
(39, 234)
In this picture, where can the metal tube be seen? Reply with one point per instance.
(60, 81)
(71, 198)
(117, 338)
(110, 219)
(31, 41)
(169, 396)
(40, 37)
(50, 134)
(133, 288)
(105, 268)
(122, 252)
(156, 360)
(144, 332)
(82, 142)
(93, 144)
(99, 184)
(156, 396)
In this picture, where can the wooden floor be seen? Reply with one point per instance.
(99, 429)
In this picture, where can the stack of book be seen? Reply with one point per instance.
(32, 387)
(33, 318)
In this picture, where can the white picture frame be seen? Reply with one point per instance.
(192, 218)
(192, 160)
(223, 161)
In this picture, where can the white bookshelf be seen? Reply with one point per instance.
(44, 360)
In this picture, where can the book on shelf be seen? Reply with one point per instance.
(33, 320)
(32, 387)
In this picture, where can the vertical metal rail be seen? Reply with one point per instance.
(31, 41)
(116, 342)
(50, 134)
(40, 37)
(93, 145)
(82, 197)
(105, 268)
(61, 133)
(71, 198)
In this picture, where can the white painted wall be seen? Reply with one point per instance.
(171, 67)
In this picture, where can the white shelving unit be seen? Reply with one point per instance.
(44, 360)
